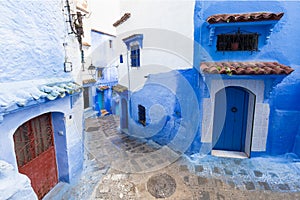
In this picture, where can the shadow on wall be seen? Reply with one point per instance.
(170, 96)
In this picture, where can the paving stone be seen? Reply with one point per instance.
(220, 196)
(199, 168)
(243, 172)
(135, 165)
(216, 170)
(202, 180)
(154, 156)
(228, 172)
(265, 185)
(90, 129)
(283, 186)
(160, 161)
(231, 184)
(219, 183)
(273, 175)
(204, 196)
(249, 185)
(237, 161)
(258, 173)
(183, 168)
(149, 165)
(186, 179)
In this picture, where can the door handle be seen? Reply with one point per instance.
(234, 109)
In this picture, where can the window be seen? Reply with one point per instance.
(135, 56)
(142, 114)
(134, 44)
(238, 42)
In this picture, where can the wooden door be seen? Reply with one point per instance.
(233, 133)
(34, 148)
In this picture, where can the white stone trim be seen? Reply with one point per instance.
(261, 113)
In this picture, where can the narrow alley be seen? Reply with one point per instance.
(198, 178)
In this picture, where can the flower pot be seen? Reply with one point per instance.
(234, 46)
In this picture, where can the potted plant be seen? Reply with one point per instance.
(234, 46)
(235, 41)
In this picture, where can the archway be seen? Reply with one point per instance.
(35, 153)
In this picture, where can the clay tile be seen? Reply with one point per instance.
(260, 65)
(204, 68)
(270, 64)
(278, 70)
(250, 70)
(240, 70)
(288, 70)
(223, 70)
(260, 71)
(233, 70)
(213, 70)
(268, 70)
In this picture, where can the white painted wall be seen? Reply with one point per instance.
(35, 42)
(103, 14)
(168, 31)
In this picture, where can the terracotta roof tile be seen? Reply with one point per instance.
(122, 20)
(245, 68)
(243, 17)
(88, 81)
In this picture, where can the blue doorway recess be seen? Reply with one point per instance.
(233, 134)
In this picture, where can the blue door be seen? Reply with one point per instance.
(232, 137)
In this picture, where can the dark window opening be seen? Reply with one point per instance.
(238, 42)
(110, 43)
(135, 56)
(142, 115)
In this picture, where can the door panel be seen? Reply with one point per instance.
(233, 133)
(35, 152)
(86, 97)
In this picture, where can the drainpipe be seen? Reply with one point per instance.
(128, 95)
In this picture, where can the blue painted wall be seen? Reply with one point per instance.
(283, 47)
(172, 104)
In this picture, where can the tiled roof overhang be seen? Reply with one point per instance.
(244, 17)
(120, 88)
(88, 81)
(36, 95)
(245, 68)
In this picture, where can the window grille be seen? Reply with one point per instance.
(237, 41)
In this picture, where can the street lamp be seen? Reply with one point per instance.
(92, 70)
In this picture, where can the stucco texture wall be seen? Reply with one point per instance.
(35, 43)
(171, 101)
(31, 38)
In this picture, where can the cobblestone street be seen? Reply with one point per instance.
(118, 166)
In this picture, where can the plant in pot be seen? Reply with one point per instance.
(235, 41)
(234, 46)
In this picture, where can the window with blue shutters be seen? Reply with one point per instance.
(135, 56)
(134, 44)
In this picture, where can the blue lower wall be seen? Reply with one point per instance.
(283, 122)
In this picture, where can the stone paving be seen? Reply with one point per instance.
(118, 166)
(132, 162)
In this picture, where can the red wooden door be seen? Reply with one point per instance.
(34, 148)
